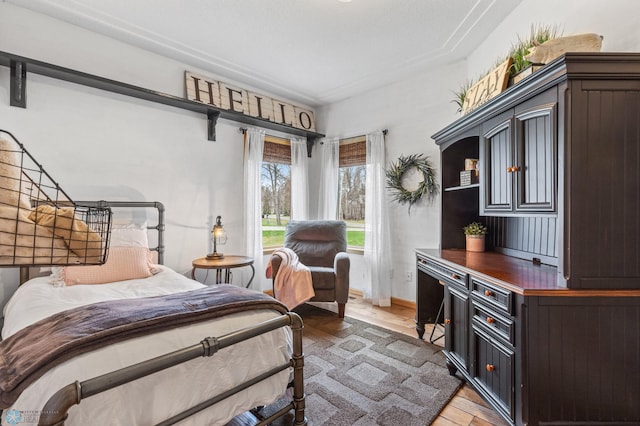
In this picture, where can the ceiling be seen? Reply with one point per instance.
(313, 52)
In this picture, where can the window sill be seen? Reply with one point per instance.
(350, 250)
(269, 250)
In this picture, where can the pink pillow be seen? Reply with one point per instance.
(123, 263)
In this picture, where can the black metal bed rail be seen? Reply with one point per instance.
(55, 411)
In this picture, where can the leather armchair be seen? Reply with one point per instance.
(321, 245)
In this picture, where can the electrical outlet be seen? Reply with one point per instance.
(409, 276)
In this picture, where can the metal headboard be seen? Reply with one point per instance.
(138, 204)
(24, 271)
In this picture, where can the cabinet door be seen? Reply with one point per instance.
(496, 162)
(494, 370)
(535, 166)
(456, 314)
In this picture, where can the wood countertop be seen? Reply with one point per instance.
(517, 275)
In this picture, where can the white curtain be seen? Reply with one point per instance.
(299, 180)
(328, 193)
(377, 237)
(253, 149)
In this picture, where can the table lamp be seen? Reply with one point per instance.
(219, 236)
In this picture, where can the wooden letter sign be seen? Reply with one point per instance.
(225, 96)
(490, 86)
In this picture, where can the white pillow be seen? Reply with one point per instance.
(129, 235)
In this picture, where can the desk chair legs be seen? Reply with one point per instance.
(436, 324)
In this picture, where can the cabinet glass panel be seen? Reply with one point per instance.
(499, 159)
(535, 151)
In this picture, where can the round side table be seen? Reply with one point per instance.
(225, 264)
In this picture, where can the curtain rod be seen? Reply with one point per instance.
(384, 132)
(270, 138)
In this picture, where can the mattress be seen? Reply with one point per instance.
(154, 398)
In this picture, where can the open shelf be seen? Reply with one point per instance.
(458, 188)
(19, 66)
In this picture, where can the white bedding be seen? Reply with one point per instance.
(153, 401)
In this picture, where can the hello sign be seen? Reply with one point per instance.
(225, 96)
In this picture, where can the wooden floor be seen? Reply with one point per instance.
(467, 407)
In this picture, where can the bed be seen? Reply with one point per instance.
(193, 369)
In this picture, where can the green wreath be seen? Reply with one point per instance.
(429, 186)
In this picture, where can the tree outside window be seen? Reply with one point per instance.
(352, 188)
(275, 191)
(351, 203)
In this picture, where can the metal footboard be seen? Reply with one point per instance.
(55, 411)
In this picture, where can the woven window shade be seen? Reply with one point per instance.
(277, 152)
(353, 153)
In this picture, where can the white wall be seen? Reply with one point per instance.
(99, 145)
(413, 110)
(616, 20)
(105, 146)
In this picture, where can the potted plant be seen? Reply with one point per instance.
(475, 233)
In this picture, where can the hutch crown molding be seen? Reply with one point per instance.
(546, 324)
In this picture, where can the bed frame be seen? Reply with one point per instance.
(56, 409)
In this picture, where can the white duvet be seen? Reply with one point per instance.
(153, 398)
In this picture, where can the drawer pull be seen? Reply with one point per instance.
(490, 368)
(447, 321)
(490, 320)
(488, 293)
(455, 276)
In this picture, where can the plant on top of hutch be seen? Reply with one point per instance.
(543, 45)
(517, 58)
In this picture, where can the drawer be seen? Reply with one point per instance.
(494, 371)
(501, 326)
(442, 272)
(493, 295)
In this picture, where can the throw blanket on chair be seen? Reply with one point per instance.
(292, 284)
(29, 353)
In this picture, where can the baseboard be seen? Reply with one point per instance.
(360, 293)
(394, 300)
(356, 292)
(403, 303)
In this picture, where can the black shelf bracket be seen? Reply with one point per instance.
(212, 119)
(18, 86)
(310, 142)
(18, 93)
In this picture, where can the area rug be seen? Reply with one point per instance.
(360, 374)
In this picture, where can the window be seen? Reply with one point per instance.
(351, 188)
(276, 190)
